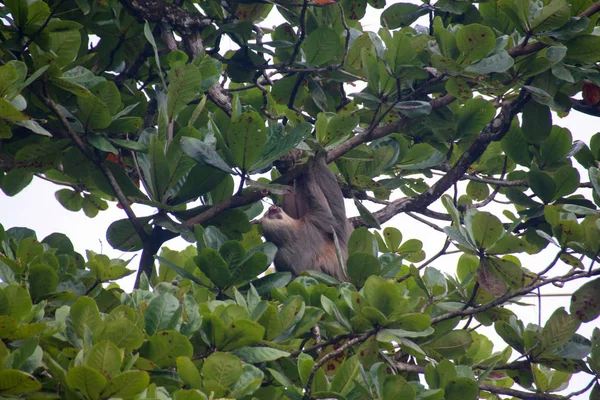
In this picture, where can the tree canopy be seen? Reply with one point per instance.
(194, 109)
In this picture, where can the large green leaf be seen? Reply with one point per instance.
(13, 382)
(401, 14)
(160, 312)
(321, 46)
(475, 42)
(560, 327)
(542, 185)
(204, 153)
(537, 122)
(585, 301)
(93, 113)
(123, 333)
(223, 368)
(214, 266)
(485, 229)
(164, 347)
(246, 138)
(584, 48)
(126, 384)
(84, 314)
(452, 345)
(42, 281)
(474, 116)
(105, 358)
(89, 382)
(185, 81)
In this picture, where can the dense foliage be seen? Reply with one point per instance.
(165, 103)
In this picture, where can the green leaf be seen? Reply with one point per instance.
(343, 380)
(474, 116)
(69, 199)
(401, 14)
(475, 41)
(204, 154)
(108, 92)
(126, 385)
(512, 274)
(366, 215)
(385, 296)
(164, 347)
(159, 169)
(461, 388)
(126, 125)
(585, 302)
(360, 266)
(340, 126)
(185, 81)
(279, 144)
(566, 180)
(414, 109)
(435, 282)
(400, 53)
(13, 382)
(246, 138)
(93, 113)
(508, 244)
(84, 313)
(497, 63)
(396, 387)
(9, 112)
(537, 122)
(123, 333)
(121, 234)
(86, 380)
(489, 279)
(321, 46)
(559, 328)
(552, 16)
(250, 381)
(485, 228)
(542, 185)
(583, 48)
(223, 368)
(242, 333)
(189, 373)
(556, 146)
(257, 355)
(511, 333)
(214, 266)
(477, 190)
(454, 344)
(105, 358)
(42, 281)
(160, 312)
(392, 237)
(420, 156)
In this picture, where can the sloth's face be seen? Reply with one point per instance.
(274, 212)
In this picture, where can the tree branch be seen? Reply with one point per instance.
(405, 367)
(100, 164)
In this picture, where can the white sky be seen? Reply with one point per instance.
(37, 209)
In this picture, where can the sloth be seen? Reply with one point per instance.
(303, 229)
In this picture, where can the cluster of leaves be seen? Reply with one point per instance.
(193, 335)
(136, 101)
(203, 332)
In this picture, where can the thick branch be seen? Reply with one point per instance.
(571, 276)
(160, 11)
(494, 131)
(521, 394)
